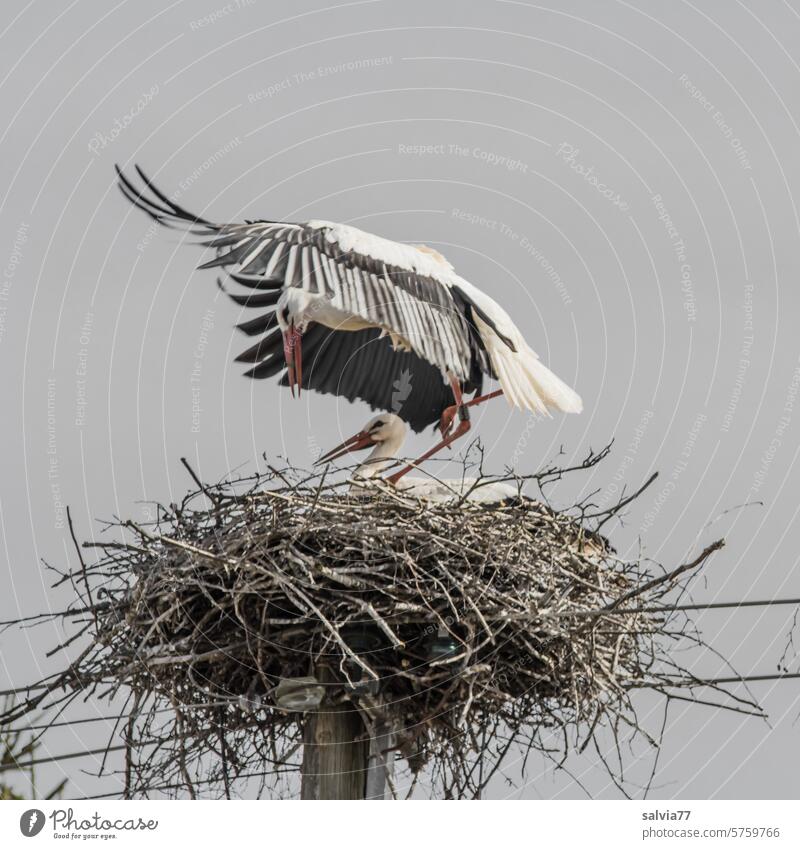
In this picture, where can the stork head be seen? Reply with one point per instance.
(385, 433)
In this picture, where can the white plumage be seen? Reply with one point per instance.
(526, 381)
(386, 434)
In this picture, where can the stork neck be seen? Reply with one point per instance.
(381, 457)
(373, 466)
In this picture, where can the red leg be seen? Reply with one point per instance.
(463, 427)
(449, 414)
(481, 398)
(445, 425)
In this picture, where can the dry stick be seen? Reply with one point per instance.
(313, 503)
(83, 564)
(130, 725)
(61, 679)
(56, 758)
(619, 505)
(85, 720)
(735, 679)
(334, 632)
(200, 552)
(658, 748)
(381, 623)
(712, 605)
(182, 747)
(670, 576)
(135, 696)
(718, 705)
(51, 615)
(212, 497)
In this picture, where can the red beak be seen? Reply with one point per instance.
(356, 443)
(292, 351)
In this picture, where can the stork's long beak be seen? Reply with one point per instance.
(292, 351)
(356, 443)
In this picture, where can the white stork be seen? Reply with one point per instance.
(386, 434)
(380, 320)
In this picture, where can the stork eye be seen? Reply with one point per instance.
(377, 425)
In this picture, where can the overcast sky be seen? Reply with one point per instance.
(622, 177)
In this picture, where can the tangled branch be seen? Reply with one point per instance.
(469, 630)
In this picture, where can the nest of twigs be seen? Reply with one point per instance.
(459, 626)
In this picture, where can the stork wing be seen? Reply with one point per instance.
(271, 256)
(408, 296)
(417, 311)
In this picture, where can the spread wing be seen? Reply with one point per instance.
(406, 297)
(419, 311)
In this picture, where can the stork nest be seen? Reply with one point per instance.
(464, 629)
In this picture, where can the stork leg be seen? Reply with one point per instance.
(481, 398)
(462, 427)
(448, 416)
(445, 426)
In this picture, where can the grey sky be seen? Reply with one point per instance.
(620, 176)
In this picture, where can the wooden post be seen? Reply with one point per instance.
(381, 761)
(334, 759)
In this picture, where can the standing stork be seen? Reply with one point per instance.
(380, 319)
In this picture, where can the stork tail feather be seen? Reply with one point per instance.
(547, 386)
(526, 380)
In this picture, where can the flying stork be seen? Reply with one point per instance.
(389, 323)
(386, 434)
